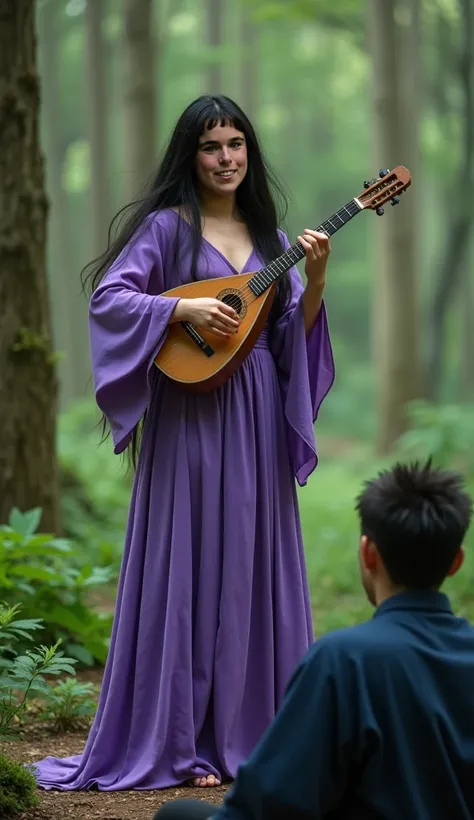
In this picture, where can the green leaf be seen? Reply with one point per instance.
(40, 685)
(81, 653)
(23, 667)
(99, 649)
(6, 682)
(7, 534)
(97, 576)
(25, 523)
(30, 623)
(62, 545)
(38, 539)
(35, 573)
(48, 546)
(64, 617)
(60, 667)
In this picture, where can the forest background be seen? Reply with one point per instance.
(336, 91)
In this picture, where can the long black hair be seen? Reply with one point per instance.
(260, 197)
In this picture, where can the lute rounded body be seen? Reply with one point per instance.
(185, 362)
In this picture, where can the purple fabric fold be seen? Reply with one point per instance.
(306, 374)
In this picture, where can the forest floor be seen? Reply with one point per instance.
(38, 742)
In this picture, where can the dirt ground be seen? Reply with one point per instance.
(38, 742)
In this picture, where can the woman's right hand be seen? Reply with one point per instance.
(209, 314)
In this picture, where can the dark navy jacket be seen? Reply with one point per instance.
(377, 724)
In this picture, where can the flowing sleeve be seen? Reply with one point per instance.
(128, 319)
(306, 373)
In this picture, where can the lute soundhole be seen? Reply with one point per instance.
(232, 297)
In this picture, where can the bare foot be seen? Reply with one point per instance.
(204, 782)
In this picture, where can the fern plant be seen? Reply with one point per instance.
(12, 630)
(70, 704)
(24, 675)
(52, 580)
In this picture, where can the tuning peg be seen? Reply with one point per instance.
(366, 184)
(395, 200)
(383, 172)
(379, 211)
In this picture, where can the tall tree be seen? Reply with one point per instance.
(59, 239)
(214, 24)
(454, 263)
(98, 120)
(467, 290)
(394, 29)
(28, 470)
(139, 94)
(249, 60)
(467, 328)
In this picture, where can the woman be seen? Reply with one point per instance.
(212, 611)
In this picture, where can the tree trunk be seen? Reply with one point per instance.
(214, 42)
(139, 94)
(467, 330)
(28, 470)
(249, 70)
(59, 244)
(460, 226)
(98, 120)
(467, 306)
(395, 39)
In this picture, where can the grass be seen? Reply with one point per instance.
(330, 532)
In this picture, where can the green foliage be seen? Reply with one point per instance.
(445, 432)
(12, 630)
(23, 675)
(69, 704)
(331, 537)
(346, 14)
(96, 487)
(17, 789)
(330, 532)
(53, 579)
(330, 525)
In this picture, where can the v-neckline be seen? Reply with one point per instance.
(216, 250)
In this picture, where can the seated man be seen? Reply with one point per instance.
(378, 720)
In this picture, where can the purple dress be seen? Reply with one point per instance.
(213, 610)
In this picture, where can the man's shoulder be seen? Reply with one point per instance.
(388, 638)
(348, 636)
(355, 641)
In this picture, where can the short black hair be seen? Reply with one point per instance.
(417, 516)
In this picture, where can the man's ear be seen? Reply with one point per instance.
(457, 563)
(368, 553)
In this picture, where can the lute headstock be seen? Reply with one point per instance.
(387, 188)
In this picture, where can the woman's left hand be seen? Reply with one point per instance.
(317, 249)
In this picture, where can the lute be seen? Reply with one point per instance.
(198, 360)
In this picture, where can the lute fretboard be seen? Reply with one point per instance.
(265, 277)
